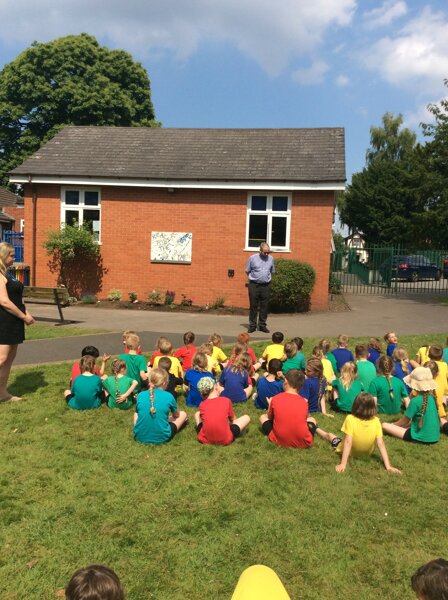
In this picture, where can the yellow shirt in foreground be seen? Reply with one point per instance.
(423, 355)
(218, 355)
(176, 367)
(328, 372)
(363, 433)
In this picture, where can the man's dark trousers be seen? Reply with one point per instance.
(259, 302)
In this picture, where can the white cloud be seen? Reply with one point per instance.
(342, 80)
(420, 115)
(417, 57)
(312, 75)
(271, 33)
(385, 14)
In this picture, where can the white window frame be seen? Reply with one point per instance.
(81, 206)
(270, 214)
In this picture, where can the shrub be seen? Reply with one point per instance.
(114, 295)
(292, 284)
(132, 297)
(186, 301)
(169, 298)
(154, 297)
(334, 284)
(88, 299)
(219, 302)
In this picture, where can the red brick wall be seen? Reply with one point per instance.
(217, 220)
(16, 212)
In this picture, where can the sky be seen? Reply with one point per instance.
(263, 63)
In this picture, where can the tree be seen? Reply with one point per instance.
(384, 199)
(69, 81)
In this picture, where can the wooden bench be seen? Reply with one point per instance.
(47, 295)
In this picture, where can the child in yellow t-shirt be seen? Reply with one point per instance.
(217, 352)
(274, 350)
(423, 355)
(166, 349)
(362, 429)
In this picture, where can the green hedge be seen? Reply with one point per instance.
(292, 285)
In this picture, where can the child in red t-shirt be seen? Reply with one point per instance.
(90, 351)
(187, 352)
(287, 422)
(215, 420)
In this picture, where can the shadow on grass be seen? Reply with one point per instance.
(27, 383)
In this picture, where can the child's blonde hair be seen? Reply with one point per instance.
(160, 340)
(158, 378)
(325, 345)
(400, 355)
(291, 349)
(349, 373)
(132, 341)
(243, 362)
(374, 343)
(200, 362)
(118, 366)
(166, 347)
(215, 339)
(343, 340)
(127, 332)
(206, 348)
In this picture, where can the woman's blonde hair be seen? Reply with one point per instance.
(5, 250)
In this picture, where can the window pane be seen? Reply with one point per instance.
(71, 217)
(258, 202)
(258, 229)
(72, 197)
(91, 198)
(280, 203)
(278, 237)
(91, 219)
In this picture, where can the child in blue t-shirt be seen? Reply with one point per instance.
(87, 389)
(157, 418)
(314, 386)
(270, 385)
(235, 381)
(342, 354)
(192, 377)
(391, 340)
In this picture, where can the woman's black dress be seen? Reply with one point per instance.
(12, 329)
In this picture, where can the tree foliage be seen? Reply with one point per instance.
(389, 142)
(69, 81)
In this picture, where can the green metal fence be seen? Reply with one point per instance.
(391, 270)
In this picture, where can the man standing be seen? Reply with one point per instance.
(259, 269)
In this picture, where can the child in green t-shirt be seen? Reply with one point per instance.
(346, 388)
(366, 370)
(119, 387)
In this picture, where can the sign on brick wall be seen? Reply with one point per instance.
(171, 247)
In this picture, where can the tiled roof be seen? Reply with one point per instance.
(308, 155)
(7, 198)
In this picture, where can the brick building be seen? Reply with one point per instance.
(183, 209)
(11, 212)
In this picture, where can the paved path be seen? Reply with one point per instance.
(369, 315)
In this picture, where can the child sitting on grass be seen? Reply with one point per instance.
(235, 381)
(328, 371)
(363, 431)
(430, 581)
(440, 395)
(90, 351)
(95, 582)
(420, 422)
(166, 349)
(186, 353)
(192, 376)
(160, 340)
(402, 365)
(125, 335)
(87, 389)
(270, 385)
(157, 418)
(300, 357)
(216, 422)
(135, 363)
(374, 346)
(315, 386)
(218, 354)
(290, 359)
(342, 354)
(389, 392)
(173, 381)
(119, 387)
(325, 346)
(366, 370)
(346, 388)
(391, 340)
(287, 422)
(274, 350)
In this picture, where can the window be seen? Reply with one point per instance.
(268, 220)
(82, 207)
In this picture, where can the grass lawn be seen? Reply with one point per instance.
(43, 332)
(181, 521)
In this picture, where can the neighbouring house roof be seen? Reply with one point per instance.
(167, 156)
(5, 218)
(7, 198)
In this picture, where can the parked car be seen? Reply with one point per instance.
(412, 267)
(445, 268)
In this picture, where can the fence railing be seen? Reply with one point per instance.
(15, 239)
(391, 270)
(21, 273)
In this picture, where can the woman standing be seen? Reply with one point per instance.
(13, 315)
